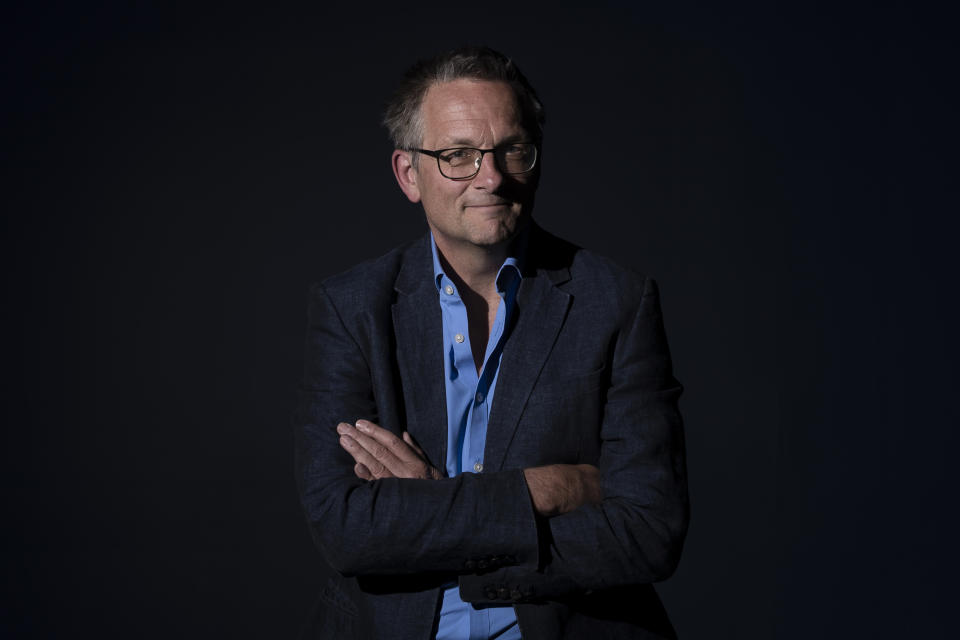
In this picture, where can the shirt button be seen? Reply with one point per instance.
(478, 467)
(479, 396)
(448, 290)
(458, 337)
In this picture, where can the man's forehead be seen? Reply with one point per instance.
(470, 86)
(467, 107)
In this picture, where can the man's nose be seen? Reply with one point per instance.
(489, 175)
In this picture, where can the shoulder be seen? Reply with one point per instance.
(598, 271)
(593, 277)
(371, 283)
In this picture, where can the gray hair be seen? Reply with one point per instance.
(403, 116)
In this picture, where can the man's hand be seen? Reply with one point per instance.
(380, 454)
(559, 488)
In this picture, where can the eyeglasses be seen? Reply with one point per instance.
(462, 163)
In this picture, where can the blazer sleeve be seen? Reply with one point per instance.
(635, 535)
(391, 526)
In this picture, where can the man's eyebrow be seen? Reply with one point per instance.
(466, 142)
(462, 142)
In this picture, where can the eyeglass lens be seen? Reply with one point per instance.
(465, 162)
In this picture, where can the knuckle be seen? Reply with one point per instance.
(416, 470)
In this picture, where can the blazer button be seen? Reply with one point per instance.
(516, 595)
(504, 593)
(470, 565)
(482, 564)
(490, 592)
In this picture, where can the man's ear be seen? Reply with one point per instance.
(406, 174)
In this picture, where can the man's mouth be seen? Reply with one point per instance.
(488, 204)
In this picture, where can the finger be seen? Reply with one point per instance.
(362, 472)
(378, 446)
(381, 460)
(430, 472)
(397, 447)
(361, 456)
(361, 437)
(400, 459)
(409, 440)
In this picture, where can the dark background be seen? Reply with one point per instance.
(173, 178)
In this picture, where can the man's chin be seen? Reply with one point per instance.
(503, 232)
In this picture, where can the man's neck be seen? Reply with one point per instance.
(474, 271)
(472, 267)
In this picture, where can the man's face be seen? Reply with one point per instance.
(490, 208)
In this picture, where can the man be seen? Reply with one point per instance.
(488, 441)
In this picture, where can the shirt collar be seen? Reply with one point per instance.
(510, 273)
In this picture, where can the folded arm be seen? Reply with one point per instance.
(635, 534)
(392, 525)
(554, 489)
(550, 542)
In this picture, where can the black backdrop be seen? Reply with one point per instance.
(173, 178)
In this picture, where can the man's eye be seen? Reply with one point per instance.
(515, 151)
(458, 156)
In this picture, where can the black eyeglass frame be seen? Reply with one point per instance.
(438, 152)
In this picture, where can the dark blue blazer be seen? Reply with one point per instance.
(585, 377)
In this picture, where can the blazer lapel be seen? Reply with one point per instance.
(541, 310)
(418, 328)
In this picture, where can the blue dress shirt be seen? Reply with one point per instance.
(469, 398)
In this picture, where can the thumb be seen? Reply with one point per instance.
(413, 445)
